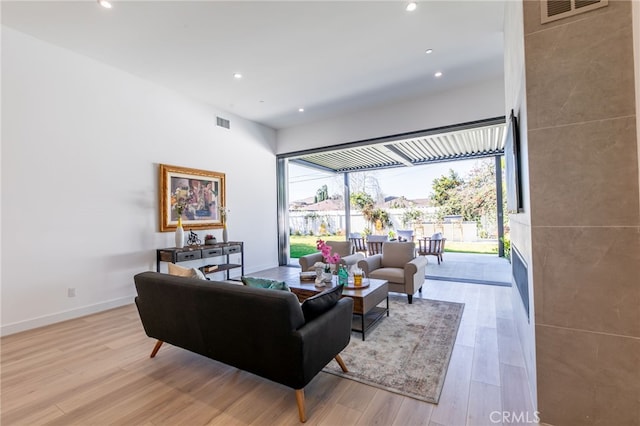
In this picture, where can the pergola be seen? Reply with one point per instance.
(479, 139)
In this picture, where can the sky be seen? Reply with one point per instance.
(412, 182)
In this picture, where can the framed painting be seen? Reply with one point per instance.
(196, 196)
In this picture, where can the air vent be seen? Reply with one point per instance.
(223, 122)
(520, 273)
(552, 10)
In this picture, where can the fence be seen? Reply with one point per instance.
(334, 222)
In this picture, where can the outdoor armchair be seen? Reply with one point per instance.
(374, 243)
(405, 234)
(359, 243)
(433, 246)
(398, 265)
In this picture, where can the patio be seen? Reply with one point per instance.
(470, 268)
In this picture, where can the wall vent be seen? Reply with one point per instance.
(520, 273)
(223, 122)
(552, 10)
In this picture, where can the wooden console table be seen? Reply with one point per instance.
(208, 251)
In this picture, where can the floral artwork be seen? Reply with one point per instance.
(194, 199)
(194, 195)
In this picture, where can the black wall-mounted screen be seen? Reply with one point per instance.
(512, 166)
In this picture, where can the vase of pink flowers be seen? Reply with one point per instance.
(331, 260)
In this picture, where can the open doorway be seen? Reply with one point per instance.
(412, 187)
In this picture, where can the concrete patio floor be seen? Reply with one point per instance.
(470, 268)
(465, 267)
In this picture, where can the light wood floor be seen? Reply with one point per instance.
(96, 370)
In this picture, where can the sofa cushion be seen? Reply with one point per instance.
(343, 248)
(181, 271)
(396, 255)
(265, 283)
(317, 305)
(393, 275)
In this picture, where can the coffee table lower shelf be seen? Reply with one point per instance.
(362, 323)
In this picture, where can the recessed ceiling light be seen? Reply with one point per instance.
(300, 109)
(438, 74)
(237, 75)
(428, 51)
(411, 6)
(105, 4)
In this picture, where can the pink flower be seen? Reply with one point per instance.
(326, 253)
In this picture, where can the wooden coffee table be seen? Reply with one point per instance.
(366, 311)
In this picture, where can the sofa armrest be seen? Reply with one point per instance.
(325, 337)
(307, 261)
(352, 259)
(414, 272)
(370, 263)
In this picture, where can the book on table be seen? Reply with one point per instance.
(209, 268)
(308, 276)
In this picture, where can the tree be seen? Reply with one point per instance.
(478, 194)
(363, 202)
(366, 182)
(474, 198)
(479, 198)
(322, 194)
(381, 219)
(446, 194)
(410, 216)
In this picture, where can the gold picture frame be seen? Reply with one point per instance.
(199, 194)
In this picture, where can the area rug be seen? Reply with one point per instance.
(408, 352)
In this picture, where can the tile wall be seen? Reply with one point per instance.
(585, 215)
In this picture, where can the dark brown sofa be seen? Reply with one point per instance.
(258, 330)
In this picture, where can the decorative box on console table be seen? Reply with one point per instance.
(219, 254)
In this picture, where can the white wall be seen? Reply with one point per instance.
(520, 224)
(81, 143)
(474, 102)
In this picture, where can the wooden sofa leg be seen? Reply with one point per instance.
(341, 363)
(300, 401)
(410, 296)
(156, 348)
(420, 290)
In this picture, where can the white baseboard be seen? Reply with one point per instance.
(17, 327)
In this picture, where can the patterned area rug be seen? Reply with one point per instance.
(408, 352)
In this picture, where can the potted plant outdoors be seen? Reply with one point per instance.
(210, 239)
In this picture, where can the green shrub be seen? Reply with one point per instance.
(507, 247)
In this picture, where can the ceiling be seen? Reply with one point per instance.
(482, 140)
(328, 57)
